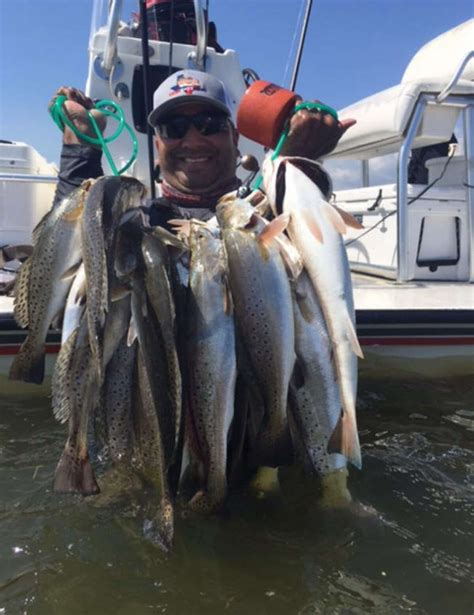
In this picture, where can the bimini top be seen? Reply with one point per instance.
(382, 119)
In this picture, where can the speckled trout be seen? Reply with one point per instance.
(44, 281)
(211, 362)
(264, 314)
(315, 229)
(315, 403)
(108, 199)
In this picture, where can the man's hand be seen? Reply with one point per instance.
(313, 134)
(76, 107)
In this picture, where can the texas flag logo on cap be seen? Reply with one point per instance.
(186, 85)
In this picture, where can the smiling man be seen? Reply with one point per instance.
(197, 147)
(196, 141)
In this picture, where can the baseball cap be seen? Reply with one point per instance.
(188, 86)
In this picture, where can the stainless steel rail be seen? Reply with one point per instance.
(457, 75)
(469, 156)
(403, 254)
(27, 178)
(113, 22)
(199, 56)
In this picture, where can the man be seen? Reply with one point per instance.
(196, 141)
(197, 148)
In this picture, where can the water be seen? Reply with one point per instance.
(66, 555)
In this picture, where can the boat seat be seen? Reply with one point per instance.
(382, 119)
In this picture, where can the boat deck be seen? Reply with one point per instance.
(374, 293)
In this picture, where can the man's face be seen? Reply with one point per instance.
(198, 164)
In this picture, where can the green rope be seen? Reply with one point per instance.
(304, 105)
(108, 108)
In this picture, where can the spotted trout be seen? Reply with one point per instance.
(45, 279)
(108, 199)
(264, 314)
(211, 363)
(315, 229)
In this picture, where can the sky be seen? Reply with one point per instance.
(354, 48)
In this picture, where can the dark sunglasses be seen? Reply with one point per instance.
(176, 127)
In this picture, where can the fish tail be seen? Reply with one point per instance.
(160, 529)
(28, 365)
(74, 474)
(350, 446)
(207, 502)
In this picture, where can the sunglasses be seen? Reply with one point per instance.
(206, 123)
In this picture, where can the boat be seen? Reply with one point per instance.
(413, 264)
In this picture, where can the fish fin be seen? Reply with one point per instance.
(132, 333)
(334, 218)
(181, 226)
(350, 446)
(353, 339)
(81, 294)
(20, 302)
(75, 214)
(169, 239)
(74, 475)
(28, 365)
(348, 218)
(291, 257)
(228, 301)
(61, 399)
(335, 441)
(313, 226)
(273, 229)
(298, 378)
(118, 292)
(302, 300)
(71, 272)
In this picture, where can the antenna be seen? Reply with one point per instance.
(299, 53)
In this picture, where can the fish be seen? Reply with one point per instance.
(157, 273)
(149, 459)
(118, 391)
(314, 401)
(144, 328)
(315, 229)
(108, 199)
(74, 472)
(264, 314)
(45, 279)
(211, 364)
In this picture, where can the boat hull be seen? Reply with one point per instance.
(437, 343)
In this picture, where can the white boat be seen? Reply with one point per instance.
(413, 264)
(413, 267)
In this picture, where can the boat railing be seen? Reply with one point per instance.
(113, 23)
(28, 178)
(197, 57)
(457, 75)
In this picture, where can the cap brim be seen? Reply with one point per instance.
(166, 107)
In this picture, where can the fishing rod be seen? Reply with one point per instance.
(299, 53)
(147, 95)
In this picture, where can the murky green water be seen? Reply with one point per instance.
(66, 556)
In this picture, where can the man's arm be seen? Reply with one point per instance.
(79, 160)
